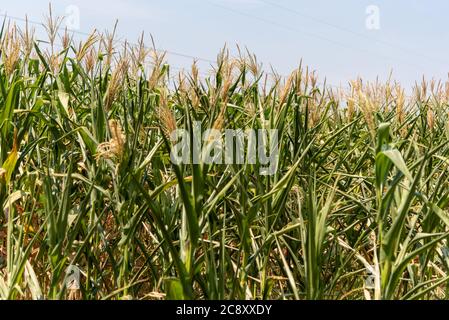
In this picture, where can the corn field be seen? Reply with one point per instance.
(358, 207)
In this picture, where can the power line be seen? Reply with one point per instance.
(183, 55)
(175, 53)
(379, 41)
(309, 34)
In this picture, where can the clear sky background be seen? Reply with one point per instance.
(330, 36)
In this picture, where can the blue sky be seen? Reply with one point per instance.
(330, 36)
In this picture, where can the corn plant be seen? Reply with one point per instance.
(357, 207)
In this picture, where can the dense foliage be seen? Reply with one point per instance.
(357, 208)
